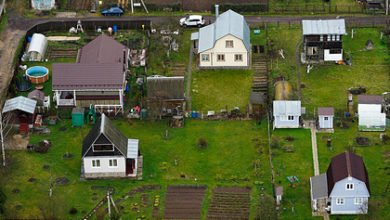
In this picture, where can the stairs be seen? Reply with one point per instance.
(260, 75)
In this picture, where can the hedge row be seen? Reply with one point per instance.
(242, 7)
(155, 7)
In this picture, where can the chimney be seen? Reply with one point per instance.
(216, 11)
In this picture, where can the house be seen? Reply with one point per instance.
(107, 153)
(98, 78)
(323, 40)
(165, 95)
(20, 111)
(375, 4)
(43, 4)
(344, 188)
(286, 113)
(325, 117)
(371, 114)
(225, 43)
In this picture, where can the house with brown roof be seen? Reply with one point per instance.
(97, 78)
(344, 188)
(371, 113)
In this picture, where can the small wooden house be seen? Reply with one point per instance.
(21, 112)
(325, 117)
(286, 114)
(107, 153)
(371, 113)
(323, 40)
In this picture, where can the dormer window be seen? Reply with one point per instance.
(229, 44)
(103, 147)
(349, 186)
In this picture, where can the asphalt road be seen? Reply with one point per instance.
(18, 22)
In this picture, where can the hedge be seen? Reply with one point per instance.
(242, 7)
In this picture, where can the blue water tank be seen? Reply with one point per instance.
(114, 29)
(29, 39)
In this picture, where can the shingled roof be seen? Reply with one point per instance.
(370, 99)
(166, 88)
(346, 165)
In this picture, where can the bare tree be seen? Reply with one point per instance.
(5, 131)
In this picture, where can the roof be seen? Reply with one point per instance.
(79, 76)
(279, 190)
(331, 26)
(132, 148)
(102, 49)
(319, 186)
(36, 94)
(228, 22)
(38, 44)
(287, 108)
(346, 165)
(325, 111)
(256, 98)
(20, 103)
(370, 99)
(105, 127)
(168, 88)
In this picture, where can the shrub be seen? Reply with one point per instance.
(155, 7)
(202, 143)
(385, 139)
(3, 197)
(73, 211)
(275, 142)
(241, 7)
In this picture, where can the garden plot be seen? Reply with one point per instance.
(230, 203)
(184, 202)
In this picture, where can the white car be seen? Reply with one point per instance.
(192, 21)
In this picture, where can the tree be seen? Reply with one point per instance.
(5, 131)
(266, 209)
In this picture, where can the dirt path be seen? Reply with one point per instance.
(189, 73)
(315, 151)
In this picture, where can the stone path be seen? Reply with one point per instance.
(314, 149)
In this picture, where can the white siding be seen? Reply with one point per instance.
(104, 165)
(332, 57)
(220, 48)
(325, 123)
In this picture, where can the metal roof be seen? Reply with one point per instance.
(166, 88)
(325, 111)
(319, 186)
(195, 36)
(36, 94)
(228, 22)
(20, 103)
(287, 108)
(132, 148)
(332, 26)
(80, 76)
(370, 99)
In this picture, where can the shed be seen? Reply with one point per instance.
(287, 114)
(371, 114)
(256, 101)
(37, 49)
(37, 95)
(325, 117)
(22, 110)
(78, 117)
(279, 193)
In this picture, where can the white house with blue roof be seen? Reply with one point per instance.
(225, 43)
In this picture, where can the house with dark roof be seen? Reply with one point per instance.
(97, 78)
(344, 188)
(371, 113)
(107, 153)
(323, 40)
(325, 117)
(225, 43)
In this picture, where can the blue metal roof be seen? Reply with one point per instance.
(228, 22)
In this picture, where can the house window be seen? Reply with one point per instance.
(340, 201)
(95, 163)
(326, 118)
(205, 57)
(229, 44)
(290, 118)
(335, 51)
(349, 186)
(238, 57)
(321, 37)
(221, 57)
(358, 201)
(283, 117)
(99, 147)
(113, 163)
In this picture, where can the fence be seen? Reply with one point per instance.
(323, 9)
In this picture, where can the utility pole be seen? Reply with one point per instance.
(387, 7)
(109, 206)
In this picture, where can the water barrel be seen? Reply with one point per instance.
(198, 114)
(29, 39)
(114, 28)
(144, 113)
(194, 114)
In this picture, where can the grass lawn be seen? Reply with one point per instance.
(233, 148)
(373, 157)
(298, 163)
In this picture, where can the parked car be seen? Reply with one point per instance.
(112, 11)
(192, 21)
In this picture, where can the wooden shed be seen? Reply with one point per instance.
(325, 117)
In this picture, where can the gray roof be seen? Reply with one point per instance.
(80, 76)
(256, 98)
(316, 27)
(370, 99)
(20, 103)
(228, 22)
(287, 108)
(132, 148)
(166, 88)
(36, 94)
(279, 190)
(319, 186)
(325, 111)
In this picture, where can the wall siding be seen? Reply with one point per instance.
(104, 170)
(286, 124)
(325, 124)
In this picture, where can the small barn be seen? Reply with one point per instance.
(371, 113)
(37, 48)
(21, 111)
(166, 95)
(325, 117)
(286, 114)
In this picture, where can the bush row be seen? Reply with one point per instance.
(155, 7)
(242, 7)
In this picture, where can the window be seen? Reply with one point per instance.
(205, 57)
(221, 57)
(349, 186)
(283, 117)
(238, 57)
(358, 201)
(107, 147)
(340, 201)
(229, 44)
(321, 37)
(326, 118)
(335, 51)
(113, 163)
(290, 118)
(312, 50)
(95, 163)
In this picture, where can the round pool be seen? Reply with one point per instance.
(37, 74)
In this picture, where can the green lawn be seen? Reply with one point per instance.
(373, 157)
(233, 148)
